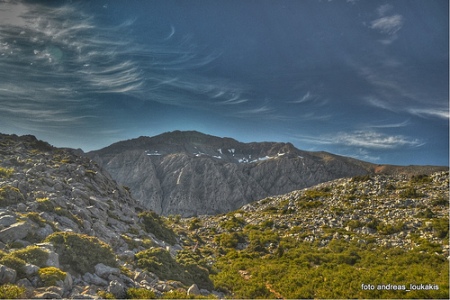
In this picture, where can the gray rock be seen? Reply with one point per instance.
(7, 220)
(15, 232)
(94, 279)
(30, 269)
(194, 290)
(7, 275)
(117, 289)
(104, 271)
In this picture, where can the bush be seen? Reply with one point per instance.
(50, 275)
(33, 255)
(14, 263)
(12, 291)
(160, 262)
(10, 195)
(6, 172)
(140, 293)
(81, 252)
(153, 223)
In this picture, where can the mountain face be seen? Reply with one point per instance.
(190, 173)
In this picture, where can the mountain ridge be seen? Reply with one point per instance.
(191, 173)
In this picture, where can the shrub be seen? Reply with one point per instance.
(50, 275)
(140, 293)
(14, 263)
(81, 252)
(6, 172)
(45, 204)
(10, 195)
(105, 295)
(410, 192)
(11, 291)
(153, 223)
(194, 224)
(33, 255)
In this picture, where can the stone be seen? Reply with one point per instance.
(104, 271)
(7, 275)
(7, 220)
(30, 269)
(117, 289)
(15, 232)
(94, 279)
(193, 290)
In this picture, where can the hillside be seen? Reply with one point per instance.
(191, 173)
(68, 230)
(348, 238)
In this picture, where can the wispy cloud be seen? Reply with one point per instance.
(389, 25)
(442, 113)
(56, 61)
(363, 139)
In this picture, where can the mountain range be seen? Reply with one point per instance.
(191, 173)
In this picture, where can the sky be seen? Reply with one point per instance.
(366, 79)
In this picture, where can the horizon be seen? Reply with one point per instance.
(361, 79)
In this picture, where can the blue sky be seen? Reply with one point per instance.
(360, 78)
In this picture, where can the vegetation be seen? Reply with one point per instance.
(32, 255)
(303, 270)
(72, 249)
(6, 172)
(153, 223)
(11, 291)
(160, 262)
(140, 293)
(10, 195)
(50, 275)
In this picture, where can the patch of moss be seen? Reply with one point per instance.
(81, 252)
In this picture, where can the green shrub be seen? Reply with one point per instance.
(81, 252)
(6, 172)
(11, 291)
(32, 254)
(45, 204)
(410, 192)
(50, 275)
(194, 224)
(14, 263)
(160, 262)
(140, 293)
(153, 223)
(10, 195)
(422, 178)
(105, 295)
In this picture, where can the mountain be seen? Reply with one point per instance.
(190, 173)
(67, 229)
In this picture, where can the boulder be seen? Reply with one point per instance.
(193, 290)
(104, 271)
(117, 289)
(7, 220)
(15, 232)
(7, 275)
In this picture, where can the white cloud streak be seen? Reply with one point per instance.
(364, 139)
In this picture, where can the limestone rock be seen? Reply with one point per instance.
(104, 271)
(15, 232)
(193, 290)
(7, 275)
(117, 289)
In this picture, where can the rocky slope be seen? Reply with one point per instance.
(190, 173)
(68, 230)
(378, 229)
